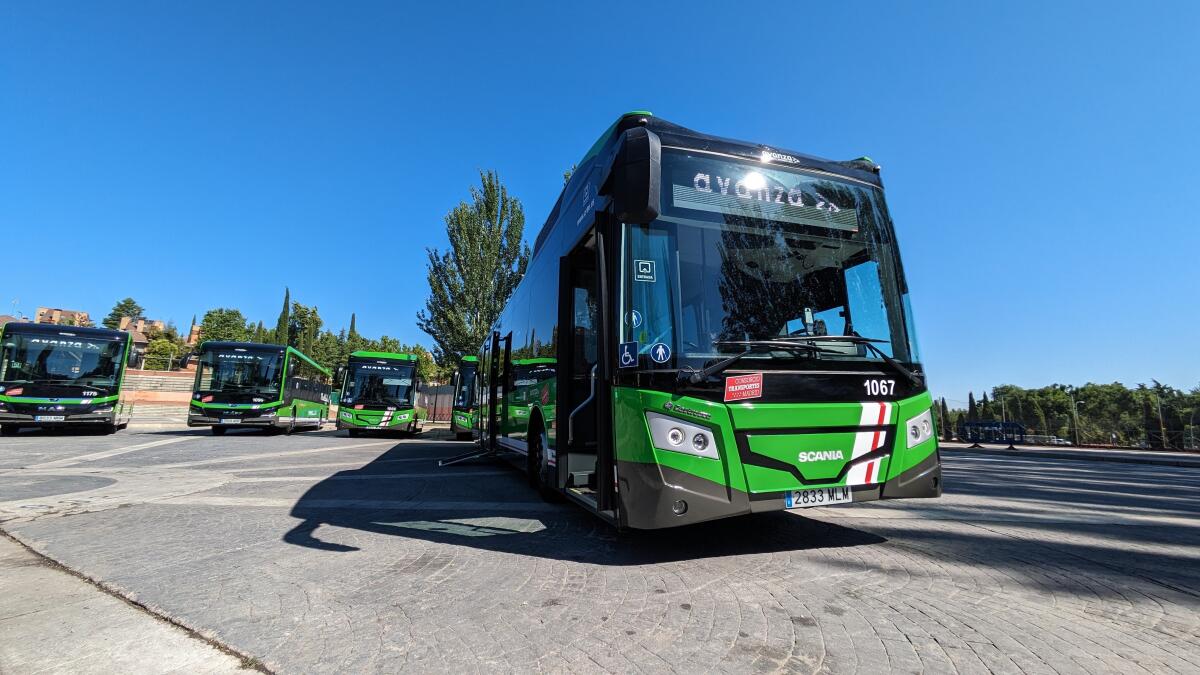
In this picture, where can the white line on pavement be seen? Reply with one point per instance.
(269, 455)
(369, 476)
(104, 454)
(283, 503)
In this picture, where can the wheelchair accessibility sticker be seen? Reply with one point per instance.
(627, 355)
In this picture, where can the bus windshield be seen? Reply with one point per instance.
(48, 359)
(745, 251)
(240, 369)
(466, 386)
(379, 384)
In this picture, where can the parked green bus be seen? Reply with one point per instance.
(379, 393)
(718, 328)
(62, 376)
(263, 386)
(462, 419)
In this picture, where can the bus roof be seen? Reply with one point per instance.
(672, 135)
(383, 355)
(27, 328)
(262, 347)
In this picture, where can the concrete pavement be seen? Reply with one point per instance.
(319, 553)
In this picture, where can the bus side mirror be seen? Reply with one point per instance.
(636, 175)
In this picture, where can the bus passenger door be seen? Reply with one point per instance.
(582, 389)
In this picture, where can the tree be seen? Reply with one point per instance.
(972, 409)
(568, 173)
(260, 333)
(947, 423)
(985, 409)
(223, 324)
(124, 308)
(303, 327)
(281, 334)
(471, 281)
(352, 329)
(161, 353)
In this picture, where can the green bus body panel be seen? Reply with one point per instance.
(633, 441)
(64, 401)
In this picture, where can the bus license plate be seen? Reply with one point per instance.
(803, 499)
(231, 420)
(50, 418)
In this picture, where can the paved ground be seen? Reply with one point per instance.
(54, 622)
(318, 553)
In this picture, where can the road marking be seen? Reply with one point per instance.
(105, 454)
(269, 455)
(389, 504)
(368, 476)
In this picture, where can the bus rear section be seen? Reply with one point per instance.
(463, 418)
(62, 376)
(379, 394)
(246, 385)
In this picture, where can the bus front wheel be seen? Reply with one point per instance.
(352, 432)
(218, 431)
(541, 474)
(8, 430)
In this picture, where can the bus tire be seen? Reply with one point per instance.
(353, 433)
(540, 473)
(110, 429)
(9, 430)
(219, 431)
(462, 436)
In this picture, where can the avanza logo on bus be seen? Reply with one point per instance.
(754, 187)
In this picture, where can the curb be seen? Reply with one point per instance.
(1097, 457)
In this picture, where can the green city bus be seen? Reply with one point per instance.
(709, 328)
(378, 393)
(254, 385)
(462, 418)
(62, 376)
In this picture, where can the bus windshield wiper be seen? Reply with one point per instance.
(869, 343)
(752, 346)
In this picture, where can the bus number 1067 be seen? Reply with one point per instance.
(880, 387)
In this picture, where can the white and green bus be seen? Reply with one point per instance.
(62, 376)
(242, 385)
(707, 328)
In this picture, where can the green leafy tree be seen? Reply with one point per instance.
(124, 308)
(304, 326)
(223, 324)
(282, 326)
(972, 408)
(161, 354)
(471, 281)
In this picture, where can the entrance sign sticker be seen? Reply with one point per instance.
(643, 270)
(660, 352)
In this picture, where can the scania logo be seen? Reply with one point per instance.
(821, 455)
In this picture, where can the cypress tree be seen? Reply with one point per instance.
(972, 409)
(352, 331)
(280, 336)
(947, 424)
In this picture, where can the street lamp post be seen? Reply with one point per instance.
(1075, 409)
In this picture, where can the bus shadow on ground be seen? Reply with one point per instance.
(488, 506)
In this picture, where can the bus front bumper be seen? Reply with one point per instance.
(11, 419)
(211, 420)
(654, 496)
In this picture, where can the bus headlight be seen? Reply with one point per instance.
(669, 433)
(103, 410)
(919, 429)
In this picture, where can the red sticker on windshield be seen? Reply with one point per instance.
(16, 392)
(742, 387)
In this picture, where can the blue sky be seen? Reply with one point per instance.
(1040, 158)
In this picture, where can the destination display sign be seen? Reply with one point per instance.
(735, 189)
